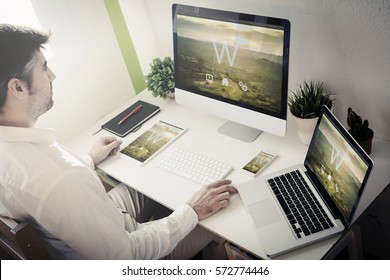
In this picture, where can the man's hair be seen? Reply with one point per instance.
(17, 48)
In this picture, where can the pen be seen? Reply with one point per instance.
(139, 107)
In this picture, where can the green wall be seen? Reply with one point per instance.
(126, 45)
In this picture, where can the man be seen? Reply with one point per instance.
(59, 193)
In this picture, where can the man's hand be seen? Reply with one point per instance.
(211, 198)
(103, 147)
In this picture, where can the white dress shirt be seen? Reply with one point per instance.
(44, 182)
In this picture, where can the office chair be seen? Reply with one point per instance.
(369, 236)
(20, 241)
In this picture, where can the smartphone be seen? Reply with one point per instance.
(259, 163)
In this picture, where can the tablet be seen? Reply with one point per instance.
(151, 142)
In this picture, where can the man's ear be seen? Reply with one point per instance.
(18, 88)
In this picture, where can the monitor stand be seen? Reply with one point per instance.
(239, 131)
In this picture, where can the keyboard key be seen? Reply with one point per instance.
(283, 204)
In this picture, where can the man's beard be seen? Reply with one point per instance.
(36, 110)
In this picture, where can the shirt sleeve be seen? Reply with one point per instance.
(80, 213)
(89, 161)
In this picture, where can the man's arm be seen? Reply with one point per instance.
(81, 214)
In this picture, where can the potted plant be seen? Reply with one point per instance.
(305, 106)
(360, 131)
(160, 80)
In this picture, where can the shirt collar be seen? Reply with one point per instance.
(40, 136)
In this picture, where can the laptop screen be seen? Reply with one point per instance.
(338, 164)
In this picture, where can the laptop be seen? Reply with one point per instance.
(333, 177)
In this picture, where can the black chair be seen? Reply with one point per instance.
(20, 241)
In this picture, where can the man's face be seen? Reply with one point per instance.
(41, 93)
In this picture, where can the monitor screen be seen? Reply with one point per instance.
(234, 58)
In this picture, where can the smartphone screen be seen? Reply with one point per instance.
(259, 162)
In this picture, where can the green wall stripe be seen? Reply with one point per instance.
(126, 45)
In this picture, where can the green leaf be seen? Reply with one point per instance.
(160, 80)
(307, 100)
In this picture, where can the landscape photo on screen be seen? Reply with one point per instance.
(340, 169)
(151, 141)
(239, 62)
(259, 162)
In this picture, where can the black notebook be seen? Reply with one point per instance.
(134, 121)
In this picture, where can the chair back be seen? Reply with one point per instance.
(20, 241)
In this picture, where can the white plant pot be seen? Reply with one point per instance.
(171, 95)
(305, 128)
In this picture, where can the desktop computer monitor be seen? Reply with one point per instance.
(233, 65)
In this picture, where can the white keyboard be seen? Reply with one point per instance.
(194, 167)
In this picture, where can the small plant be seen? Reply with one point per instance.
(358, 128)
(307, 100)
(160, 81)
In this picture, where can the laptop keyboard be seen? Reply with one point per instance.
(302, 209)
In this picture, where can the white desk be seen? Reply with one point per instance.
(233, 223)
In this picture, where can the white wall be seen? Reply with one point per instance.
(344, 43)
(139, 24)
(92, 78)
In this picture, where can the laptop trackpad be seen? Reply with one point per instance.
(264, 212)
